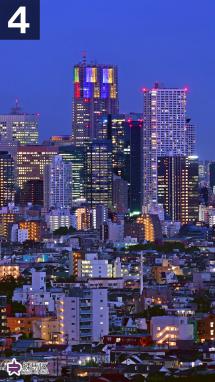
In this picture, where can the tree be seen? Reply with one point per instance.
(62, 231)
(18, 307)
(8, 284)
(203, 302)
(152, 311)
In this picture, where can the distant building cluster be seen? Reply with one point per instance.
(107, 238)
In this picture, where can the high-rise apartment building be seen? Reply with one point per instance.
(178, 187)
(95, 95)
(57, 184)
(164, 133)
(7, 178)
(20, 126)
(31, 161)
(99, 173)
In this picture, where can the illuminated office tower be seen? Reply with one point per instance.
(113, 128)
(95, 95)
(126, 135)
(164, 133)
(75, 156)
(134, 160)
(99, 173)
(178, 187)
(20, 126)
(7, 178)
(57, 184)
(31, 161)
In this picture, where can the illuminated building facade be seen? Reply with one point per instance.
(178, 187)
(7, 178)
(57, 218)
(99, 173)
(21, 324)
(6, 220)
(126, 135)
(83, 218)
(34, 229)
(166, 330)
(95, 95)
(3, 317)
(31, 161)
(57, 184)
(206, 328)
(152, 227)
(75, 156)
(20, 126)
(9, 270)
(164, 133)
(113, 128)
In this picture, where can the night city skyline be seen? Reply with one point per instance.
(107, 191)
(148, 42)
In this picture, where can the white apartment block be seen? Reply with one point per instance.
(83, 316)
(92, 267)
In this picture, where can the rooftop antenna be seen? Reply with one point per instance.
(16, 109)
(84, 57)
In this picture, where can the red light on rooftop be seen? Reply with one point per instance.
(186, 88)
(144, 90)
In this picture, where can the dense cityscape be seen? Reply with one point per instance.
(107, 240)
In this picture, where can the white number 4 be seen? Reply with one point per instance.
(22, 24)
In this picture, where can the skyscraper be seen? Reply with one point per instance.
(20, 126)
(95, 95)
(164, 133)
(126, 135)
(75, 156)
(31, 161)
(7, 178)
(99, 173)
(178, 187)
(212, 175)
(57, 184)
(134, 160)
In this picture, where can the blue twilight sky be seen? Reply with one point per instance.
(171, 41)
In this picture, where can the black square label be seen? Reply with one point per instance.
(19, 19)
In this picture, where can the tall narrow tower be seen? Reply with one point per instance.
(95, 95)
(58, 184)
(164, 133)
